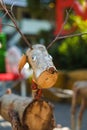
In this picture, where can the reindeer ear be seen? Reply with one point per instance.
(22, 62)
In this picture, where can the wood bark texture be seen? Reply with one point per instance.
(44, 72)
(27, 114)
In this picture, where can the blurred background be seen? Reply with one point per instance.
(41, 21)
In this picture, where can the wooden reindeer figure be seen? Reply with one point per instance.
(79, 90)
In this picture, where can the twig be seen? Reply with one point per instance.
(66, 36)
(72, 35)
(8, 25)
(12, 10)
(56, 38)
(17, 28)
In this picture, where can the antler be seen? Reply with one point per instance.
(58, 37)
(13, 20)
(65, 36)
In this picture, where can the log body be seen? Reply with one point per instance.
(33, 115)
(13, 102)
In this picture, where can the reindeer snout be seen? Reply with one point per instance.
(51, 70)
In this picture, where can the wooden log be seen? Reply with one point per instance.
(44, 72)
(25, 114)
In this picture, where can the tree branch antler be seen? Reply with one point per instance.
(58, 37)
(15, 24)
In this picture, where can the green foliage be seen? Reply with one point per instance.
(80, 23)
(73, 51)
(2, 52)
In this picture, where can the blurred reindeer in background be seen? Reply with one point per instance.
(79, 91)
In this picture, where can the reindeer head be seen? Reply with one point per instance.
(44, 71)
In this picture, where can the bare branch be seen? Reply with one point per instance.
(67, 36)
(58, 35)
(3, 15)
(12, 10)
(56, 38)
(8, 25)
(16, 26)
(72, 35)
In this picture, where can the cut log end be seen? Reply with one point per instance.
(39, 116)
(47, 80)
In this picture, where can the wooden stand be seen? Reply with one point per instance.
(25, 114)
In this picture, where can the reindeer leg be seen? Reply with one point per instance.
(73, 110)
(82, 108)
